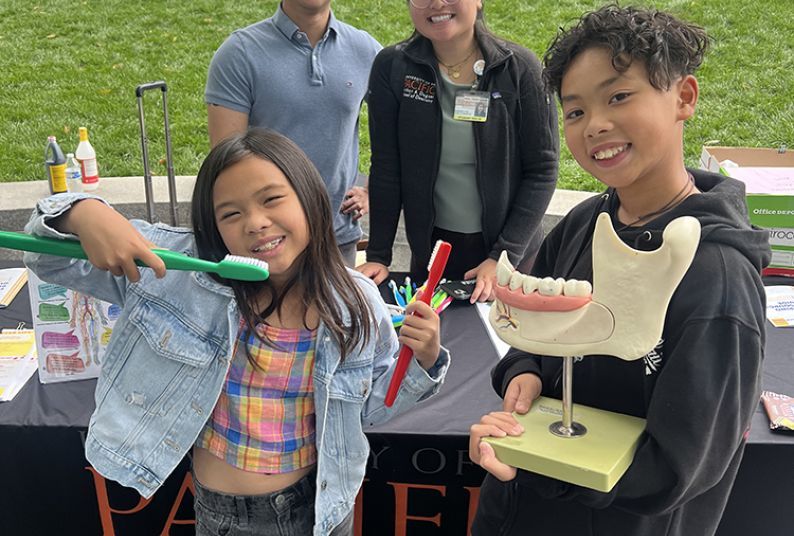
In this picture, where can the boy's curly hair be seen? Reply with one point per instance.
(669, 47)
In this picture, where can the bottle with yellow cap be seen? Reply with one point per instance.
(86, 155)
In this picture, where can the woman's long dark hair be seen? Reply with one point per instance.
(321, 276)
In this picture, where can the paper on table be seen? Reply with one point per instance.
(484, 309)
(11, 282)
(780, 305)
(18, 361)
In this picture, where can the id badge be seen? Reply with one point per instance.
(471, 106)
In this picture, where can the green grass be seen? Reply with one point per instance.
(69, 63)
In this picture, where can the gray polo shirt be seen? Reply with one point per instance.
(270, 72)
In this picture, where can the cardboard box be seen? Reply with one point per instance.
(768, 175)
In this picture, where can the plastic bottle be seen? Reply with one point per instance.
(74, 177)
(87, 157)
(55, 164)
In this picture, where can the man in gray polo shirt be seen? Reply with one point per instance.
(302, 73)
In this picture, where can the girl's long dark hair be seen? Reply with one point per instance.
(321, 276)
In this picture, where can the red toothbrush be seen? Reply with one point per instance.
(438, 261)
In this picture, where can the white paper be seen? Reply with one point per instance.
(780, 305)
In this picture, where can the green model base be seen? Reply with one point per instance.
(595, 460)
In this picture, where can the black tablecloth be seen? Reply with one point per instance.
(419, 475)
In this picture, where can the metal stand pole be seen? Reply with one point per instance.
(567, 427)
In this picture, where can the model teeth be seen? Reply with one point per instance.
(516, 280)
(609, 153)
(507, 276)
(549, 286)
(530, 284)
(504, 270)
(574, 287)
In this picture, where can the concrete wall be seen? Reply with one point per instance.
(127, 195)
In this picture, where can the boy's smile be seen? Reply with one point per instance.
(623, 130)
(259, 215)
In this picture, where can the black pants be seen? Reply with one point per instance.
(510, 509)
(468, 251)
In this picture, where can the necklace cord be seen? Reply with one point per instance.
(682, 194)
(452, 69)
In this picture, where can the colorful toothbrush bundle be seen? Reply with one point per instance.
(405, 294)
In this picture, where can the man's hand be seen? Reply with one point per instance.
(356, 202)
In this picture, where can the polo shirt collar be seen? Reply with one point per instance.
(287, 27)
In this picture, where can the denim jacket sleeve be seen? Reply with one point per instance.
(77, 274)
(418, 383)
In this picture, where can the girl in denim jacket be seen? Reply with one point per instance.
(269, 383)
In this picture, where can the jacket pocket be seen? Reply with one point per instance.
(347, 391)
(160, 362)
(173, 335)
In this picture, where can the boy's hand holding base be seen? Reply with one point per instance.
(520, 394)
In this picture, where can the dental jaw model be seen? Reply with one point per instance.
(623, 316)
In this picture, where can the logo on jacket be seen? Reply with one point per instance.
(418, 89)
(653, 359)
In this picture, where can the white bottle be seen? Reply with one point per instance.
(74, 177)
(87, 157)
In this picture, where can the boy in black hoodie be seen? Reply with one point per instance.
(625, 83)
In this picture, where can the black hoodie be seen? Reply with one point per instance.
(697, 389)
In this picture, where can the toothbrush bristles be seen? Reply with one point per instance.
(433, 254)
(246, 260)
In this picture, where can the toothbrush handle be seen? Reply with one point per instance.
(72, 248)
(41, 244)
(404, 359)
(178, 261)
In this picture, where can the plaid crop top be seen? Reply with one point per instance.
(264, 420)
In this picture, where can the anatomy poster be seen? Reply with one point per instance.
(72, 331)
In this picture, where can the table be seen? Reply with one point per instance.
(419, 478)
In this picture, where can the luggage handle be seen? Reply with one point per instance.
(147, 174)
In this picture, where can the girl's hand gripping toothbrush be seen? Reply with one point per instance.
(438, 261)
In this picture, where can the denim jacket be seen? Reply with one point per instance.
(167, 360)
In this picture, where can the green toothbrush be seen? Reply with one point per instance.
(231, 267)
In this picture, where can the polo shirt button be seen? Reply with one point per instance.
(323, 485)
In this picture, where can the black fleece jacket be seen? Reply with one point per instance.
(697, 389)
(517, 148)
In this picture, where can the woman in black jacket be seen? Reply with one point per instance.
(464, 142)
